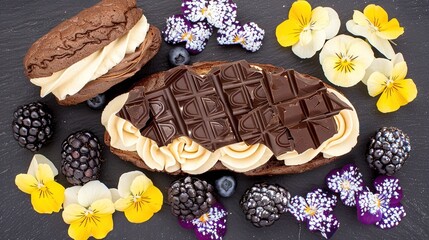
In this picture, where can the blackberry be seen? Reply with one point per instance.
(264, 203)
(388, 150)
(81, 158)
(190, 198)
(32, 125)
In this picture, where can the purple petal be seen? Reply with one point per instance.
(186, 224)
(219, 13)
(346, 181)
(392, 216)
(250, 36)
(368, 207)
(389, 188)
(178, 29)
(326, 224)
(297, 206)
(322, 200)
(211, 225)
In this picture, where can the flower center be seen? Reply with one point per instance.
(238, 39)
(88, 212)
(310, 210)
(204, 218)
(137, 198)
(389, 83)
(345, 63)
(345, 185)
(187, 36)
(41, 186)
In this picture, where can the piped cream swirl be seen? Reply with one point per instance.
(71, 80)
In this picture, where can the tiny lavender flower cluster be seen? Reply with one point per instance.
(195, 26)
(382, 207)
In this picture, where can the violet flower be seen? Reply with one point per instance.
(179, 29)
(249, 35)
(210, 226)
(316, 210)
(383, 208)
(346, 181)
(218, 13)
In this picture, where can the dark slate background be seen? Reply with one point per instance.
(22, 22)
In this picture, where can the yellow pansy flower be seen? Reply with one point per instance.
(139, 198)
(374, 25)
(388, 79)
(47, 196)
(307, 29)
(88, 209)
(344, 60)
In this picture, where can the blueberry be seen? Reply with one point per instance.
(178, 56)
(225, 186)
(97, 102)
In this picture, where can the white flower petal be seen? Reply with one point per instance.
(39, 159)
(398, 58)
(381, 65)
(382, 45)
(91, 192)
(115, 194)
(310, 49)
(334, 23)
(70, 195)
(319, 18)
(125, 182)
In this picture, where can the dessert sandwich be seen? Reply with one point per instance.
(255, 119)
(92, 51)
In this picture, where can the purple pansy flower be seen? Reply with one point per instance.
(179, 29)
(316, 210)
(210, 226)
(250, 35)
(346, 181)
(219, 13)
(383, 208)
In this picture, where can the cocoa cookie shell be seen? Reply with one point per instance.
(80, 36)
(272, 167)
(131, 64)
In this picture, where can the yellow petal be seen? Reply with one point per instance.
(399, 71)
(103, 206)
(44, 173)
(73, 213)
(38, 159)
(406, 88)
(49, 198)
(319, 18)
(26, 183)
(376, 14)
(154, 198)
(97, 226)
(123, 203)
(359, 18)
(390, 30)
(101, 228)
(390, 101)
(139, 212)
(77, 231)
(300, 12)
(140, 184)
(376, 83)
(288, 32)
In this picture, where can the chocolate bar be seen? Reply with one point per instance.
(235, 102)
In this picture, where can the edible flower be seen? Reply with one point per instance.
(179, 29)
(249, 35)
(374, 25)
(219, 13)
(88, 209)
(210, 226)
(316, 210)
(307, 29)
(344, 60)
(139, 198)
(47, 196)
(387, 78)
(383, 208)
(346, 181)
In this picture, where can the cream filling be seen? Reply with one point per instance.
(71, 80)
(185, 154)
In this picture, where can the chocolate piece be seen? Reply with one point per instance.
(80, 36)
(234, 102)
